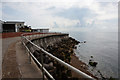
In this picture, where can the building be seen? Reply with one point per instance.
(25, 29)
(40, 30)
(12, 26)
(1, 23)
(17, 26)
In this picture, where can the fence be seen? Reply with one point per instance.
(25, 39)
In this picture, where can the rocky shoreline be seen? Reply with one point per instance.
(64, 51)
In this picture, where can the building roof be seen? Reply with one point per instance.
(40, 29)
(1, 21)
(13, 22)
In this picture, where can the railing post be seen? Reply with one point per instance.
(32, 36)
(39, 35)
(21, 38)
(42, 65)
(29, 37)
(29, 58)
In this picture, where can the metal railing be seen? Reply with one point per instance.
(84, 75)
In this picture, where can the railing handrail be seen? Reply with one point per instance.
(60, 61)
(38, 62)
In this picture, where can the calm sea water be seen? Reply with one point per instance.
(104, 49)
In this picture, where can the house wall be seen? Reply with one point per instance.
(1, 22)
(8, 27)
(12, 26)
(18, 25)
(41, 30)
(45, 30)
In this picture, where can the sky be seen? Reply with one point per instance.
(64, 15)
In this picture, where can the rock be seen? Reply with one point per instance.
(47, 59)
(93, 63)
(91, 56)
(8, 73)
(62, 50)
(75, 47)
(90, 60)
(49, 66)
(36, 53)
(53, 71)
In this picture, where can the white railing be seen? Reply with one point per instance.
(24, 38)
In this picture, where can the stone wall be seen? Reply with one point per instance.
(60, 46)
(46, 41)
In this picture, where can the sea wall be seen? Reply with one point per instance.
(46, 41)
(60, 46)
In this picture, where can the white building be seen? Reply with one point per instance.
(12, 26)
(40, 30)
(1, 22)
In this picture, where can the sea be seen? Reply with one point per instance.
(103, 46)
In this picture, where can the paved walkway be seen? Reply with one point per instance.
(9, 64)
(15, 63)
(27, 70)
(4, 44)
(0, 58)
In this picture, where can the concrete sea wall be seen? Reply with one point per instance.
(60, 46)
(46, 41)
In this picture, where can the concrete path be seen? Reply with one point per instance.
(27, 69)
(4, 44)
(0, 58)
(15, 63)
(18, 58)
(9, 64)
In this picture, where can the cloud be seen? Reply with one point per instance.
(0, 11)
(108, 11)
(59, 0)
(64, 16)
(41, 16)
(81, 14)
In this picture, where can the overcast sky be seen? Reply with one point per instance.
(73, 15)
